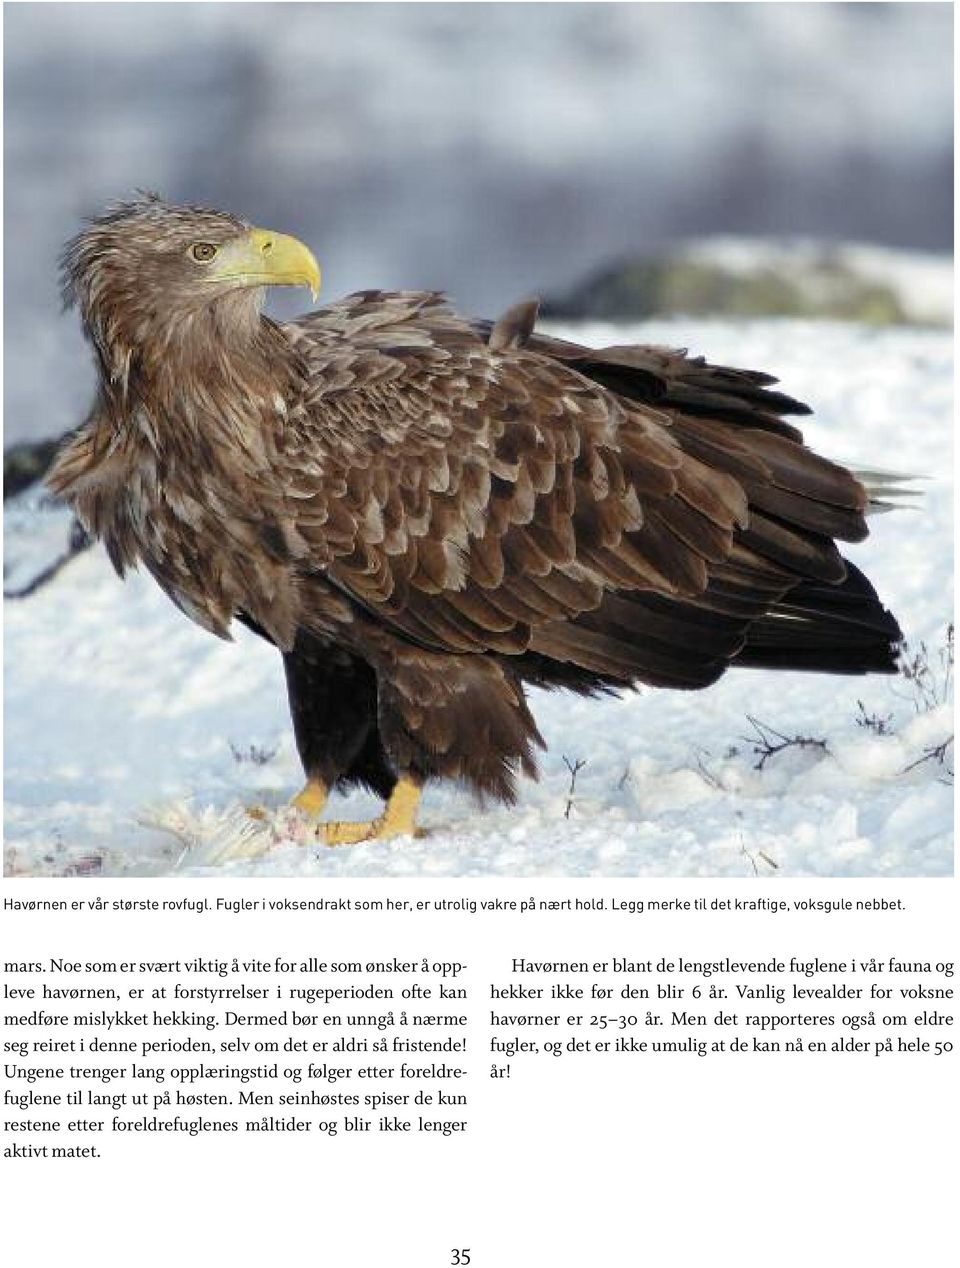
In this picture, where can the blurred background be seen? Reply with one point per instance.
(577, 151)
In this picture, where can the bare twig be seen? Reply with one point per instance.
(706, 774)
(752, 858)
(767, 742)
(933, 753)
(574, 768)
(930, 678)
(880, 725)
(259, 755)
(80, 540)
(946, 662)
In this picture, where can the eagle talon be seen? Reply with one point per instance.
(399, 819)
(341, 833)
(312, 798)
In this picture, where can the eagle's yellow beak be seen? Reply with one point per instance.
(264, 258)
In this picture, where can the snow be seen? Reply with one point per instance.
(136, 742)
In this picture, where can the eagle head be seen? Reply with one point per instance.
(148, 275)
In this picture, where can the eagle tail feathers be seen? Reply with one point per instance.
(842, 629)
(888, 490)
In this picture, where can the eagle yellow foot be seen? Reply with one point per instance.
(399, 819)
(312, 798)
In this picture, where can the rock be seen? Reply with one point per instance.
(740, 278)
(25, 463)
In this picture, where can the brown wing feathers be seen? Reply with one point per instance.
(626, 510)
(782, 561)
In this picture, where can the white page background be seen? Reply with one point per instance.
(743, 1159)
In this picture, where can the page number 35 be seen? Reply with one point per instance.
(460, 1256)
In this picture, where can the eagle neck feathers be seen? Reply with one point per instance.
(176, 468)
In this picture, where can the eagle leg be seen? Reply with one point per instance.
(312, 798)
(399, 818)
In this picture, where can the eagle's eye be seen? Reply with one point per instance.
(203, 252)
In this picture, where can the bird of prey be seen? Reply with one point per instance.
(427, 513)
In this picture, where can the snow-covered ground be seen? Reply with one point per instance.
(134, 741)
